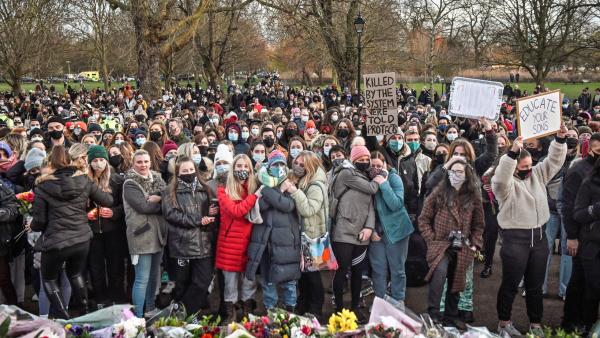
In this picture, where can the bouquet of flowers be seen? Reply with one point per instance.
(26, 202)
(341, 322)
(381, 331)
(78, 331)
(131, 328)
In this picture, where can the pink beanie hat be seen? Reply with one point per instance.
(357, 152)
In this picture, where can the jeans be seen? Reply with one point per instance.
(44, 306)
(146, 282)
(444, 270)
(524, 254)
(192, 279)
(270, 297)
(566, 262)
(311, 294)
(389, 259)
(107, 262)
(232, 283)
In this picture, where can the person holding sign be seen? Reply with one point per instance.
(520, 189)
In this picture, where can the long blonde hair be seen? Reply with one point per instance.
(233, 188)
(312, 163)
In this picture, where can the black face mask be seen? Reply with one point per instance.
(343, 133)
(523, 174)
(572, 143)
(269, 142)
(188, 178)
(291, 132)
(115, 160)
(364, 167)
(535, 153)
(203, 150)
(56, 134)
(440, 158)
(155, 135)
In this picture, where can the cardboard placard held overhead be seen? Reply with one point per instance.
(381, 104)
(539, 115)
(474, 98)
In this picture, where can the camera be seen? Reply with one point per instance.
(457, 239)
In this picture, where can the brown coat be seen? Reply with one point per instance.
(437, 220)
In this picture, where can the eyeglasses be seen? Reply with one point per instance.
(457, 172)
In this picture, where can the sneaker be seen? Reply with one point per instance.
(168, 288)
(152, 313)
(35, 298)
(486, 272)
(536, 331)
(509, 330)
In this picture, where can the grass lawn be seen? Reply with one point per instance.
(569, 90)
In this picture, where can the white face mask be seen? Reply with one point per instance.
(99, 165)
(451, 137)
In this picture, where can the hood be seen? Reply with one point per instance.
(63, 184)
(320, 176)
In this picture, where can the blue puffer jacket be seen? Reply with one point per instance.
(389, 202)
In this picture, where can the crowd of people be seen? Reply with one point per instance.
(218, 192)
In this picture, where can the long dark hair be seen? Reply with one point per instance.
(175, 181)
(465, 197)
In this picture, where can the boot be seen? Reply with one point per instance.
(80, 289)
(290, 309)
(53, 292)
(248, 307)
(230, 312)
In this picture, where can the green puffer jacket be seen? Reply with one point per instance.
(312, 205)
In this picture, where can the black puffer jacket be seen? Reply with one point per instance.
(59, 208)
(587, 213)
(187, 238)
(117, 221)
(9, 211)
(275, 244)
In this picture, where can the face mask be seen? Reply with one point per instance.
(298, 171)
(442, 128)
(269, 142)
(115, 160)
(295, 152)
(258, 158)
(99, 166)
(197, 159)
(77, 131)
(291, 132)
(534, 152)
(310, 131)
(455, 180)
(359, 132)
(326, 150)
(364, 167)
(255, 131)
(188, 178)
(241, 175)
(214, 121)
(452, 136)
(304, 119)
(278, 171)
(379, 138)
(343, 133)
(565, 106)
(334, 118)
(523, 174)
(222, 169)
(337, 162)
(396, 145)
(245, 135)
(98, 137)
(572, 143)
(279, 134)
(140, 141)
(430, 145)
(155, 135)
(440, 158)
(37, 139)
(233, 137)
(56, 134)
(374, 172)
(414, 146)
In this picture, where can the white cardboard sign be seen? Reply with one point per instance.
(381, 103)
(539, 115)
(474, 98)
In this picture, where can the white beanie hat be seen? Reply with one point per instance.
(223, 154)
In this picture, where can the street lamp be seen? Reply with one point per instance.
(359, 26)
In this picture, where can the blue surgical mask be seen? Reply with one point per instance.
(222, 169)
(278, 171)
(396, 145)
(414, 146)
(294, 152)
(140, 141)
(245, 135)
(233, 137)
(117, 142)
(326, 150)
(258, 158)
(197, 158)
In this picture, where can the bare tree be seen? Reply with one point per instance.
(479, 15)
(27, 30)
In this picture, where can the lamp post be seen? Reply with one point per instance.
(359, 25)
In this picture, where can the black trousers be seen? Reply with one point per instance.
(353, 257)
(192, 279)
(524, 254)
(311, 293)
(6, 284)
(490, 233)
(107, 266)
(74, 256)
(443, 271)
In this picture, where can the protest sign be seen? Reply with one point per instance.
(539, 115)
(381, 104)
(473, 98)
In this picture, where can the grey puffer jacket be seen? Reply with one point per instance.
(275, 244)
(188, 238)
(355, 209)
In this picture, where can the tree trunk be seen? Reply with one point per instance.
(211, 71)
(104, 66)
(431, 56)
(148, 51)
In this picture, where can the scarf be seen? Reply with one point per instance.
(151, 185)
(268, 180)
(7, 164)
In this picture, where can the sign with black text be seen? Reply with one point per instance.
(381, 104)
(539, 115)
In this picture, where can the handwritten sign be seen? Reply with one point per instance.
(539, 115)
(380, 100)
(474, 98)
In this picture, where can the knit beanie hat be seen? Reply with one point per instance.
(358, 152)
(309, 124)
(276, 156)
(96, 151)
(223, 154)
(168, 146)
(57, 119)
(35, 158)
(94, 127)
(4, 146)
(584, 130)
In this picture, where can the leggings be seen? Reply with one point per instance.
(349, 256)
(74, 256)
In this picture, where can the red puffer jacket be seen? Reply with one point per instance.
(234, 232)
